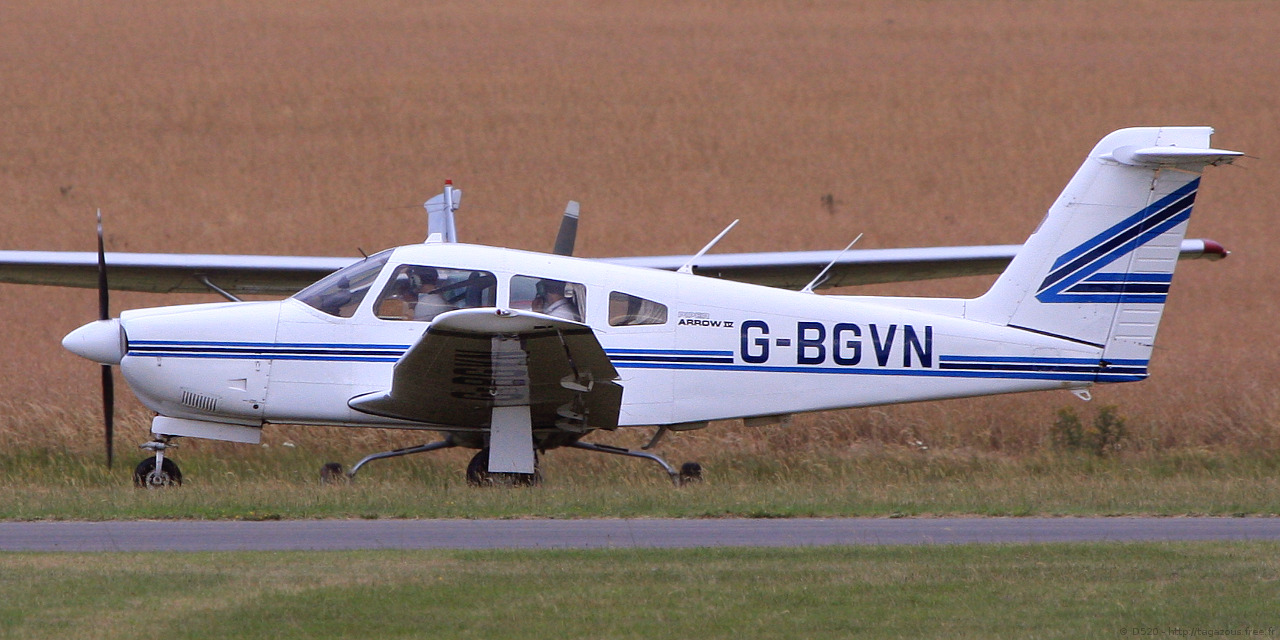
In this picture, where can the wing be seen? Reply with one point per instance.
(169, 272)
(794, 269)
(472, 360)
(286, 275)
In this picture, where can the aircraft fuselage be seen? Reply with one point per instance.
(688, 348)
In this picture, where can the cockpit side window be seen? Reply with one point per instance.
(339, 293)
(557, 298)
(626, 310)
(418, 292)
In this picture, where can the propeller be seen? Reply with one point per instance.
(108, 380)
(568, 230)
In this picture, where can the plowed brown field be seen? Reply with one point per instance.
(243, 126)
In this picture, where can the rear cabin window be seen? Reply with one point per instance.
(339, 293)
(626, 310)
(417, 292)
(566, 300)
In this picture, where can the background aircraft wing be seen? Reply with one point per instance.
(471, 360)
(286, 275)
(794, 269)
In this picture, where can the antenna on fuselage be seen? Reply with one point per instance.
(808, 288)
(440, 226)
(688, 266)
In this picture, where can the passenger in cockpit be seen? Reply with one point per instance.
(552, 301)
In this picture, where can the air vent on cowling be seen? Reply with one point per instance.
(200, 401)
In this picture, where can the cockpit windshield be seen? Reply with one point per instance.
(339, 293)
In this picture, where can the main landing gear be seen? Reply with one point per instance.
(478, 473)
(157, 471)
(689, 471)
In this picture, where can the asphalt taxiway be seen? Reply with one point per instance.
(188, 535)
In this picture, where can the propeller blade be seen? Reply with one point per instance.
(108, 381)
(568, 230)
(104, 303)
(109, 411)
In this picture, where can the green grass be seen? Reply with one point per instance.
(282, 483)
(1081, 590)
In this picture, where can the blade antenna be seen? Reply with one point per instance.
(688, 266)
(808, 288)
(108, 380)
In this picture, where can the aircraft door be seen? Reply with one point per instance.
(639, 342)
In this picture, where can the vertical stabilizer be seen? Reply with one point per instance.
(1098, 268)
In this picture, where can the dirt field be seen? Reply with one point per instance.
(268, 127)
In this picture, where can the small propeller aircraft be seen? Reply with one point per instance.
(513, 352)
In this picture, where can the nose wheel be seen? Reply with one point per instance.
(157, 471)
(146, 476)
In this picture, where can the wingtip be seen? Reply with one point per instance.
(1215, 251)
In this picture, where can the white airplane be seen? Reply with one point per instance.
(511, 352)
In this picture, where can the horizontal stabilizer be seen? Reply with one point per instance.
(1171, 156)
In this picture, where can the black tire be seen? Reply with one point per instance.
(478, 473)
(170, 475)
(690, 472)
(331, 473)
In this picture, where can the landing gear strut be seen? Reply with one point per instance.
(332, 471)
(689, 472)
(157, 471)
(478, 473)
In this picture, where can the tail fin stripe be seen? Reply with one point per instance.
(1124, 287)
(1130, 277)
(1133, 223)
(1068, 278)
(1049, 368)
(1125, 283)
(1116, 248)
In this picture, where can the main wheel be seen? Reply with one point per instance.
(146, 476)
(331, 473)
(690, 472)
(478, 474)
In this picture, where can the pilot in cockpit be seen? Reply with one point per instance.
(430, 301)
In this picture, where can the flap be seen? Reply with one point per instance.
(471, 360)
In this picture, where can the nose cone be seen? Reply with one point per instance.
(101, 341)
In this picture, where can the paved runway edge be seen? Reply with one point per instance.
(187, 535)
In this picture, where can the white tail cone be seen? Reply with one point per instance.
(102, 341)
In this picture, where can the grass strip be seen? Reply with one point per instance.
(286, 485)
(1074, 590)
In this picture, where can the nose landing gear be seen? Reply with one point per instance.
(157, 471)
